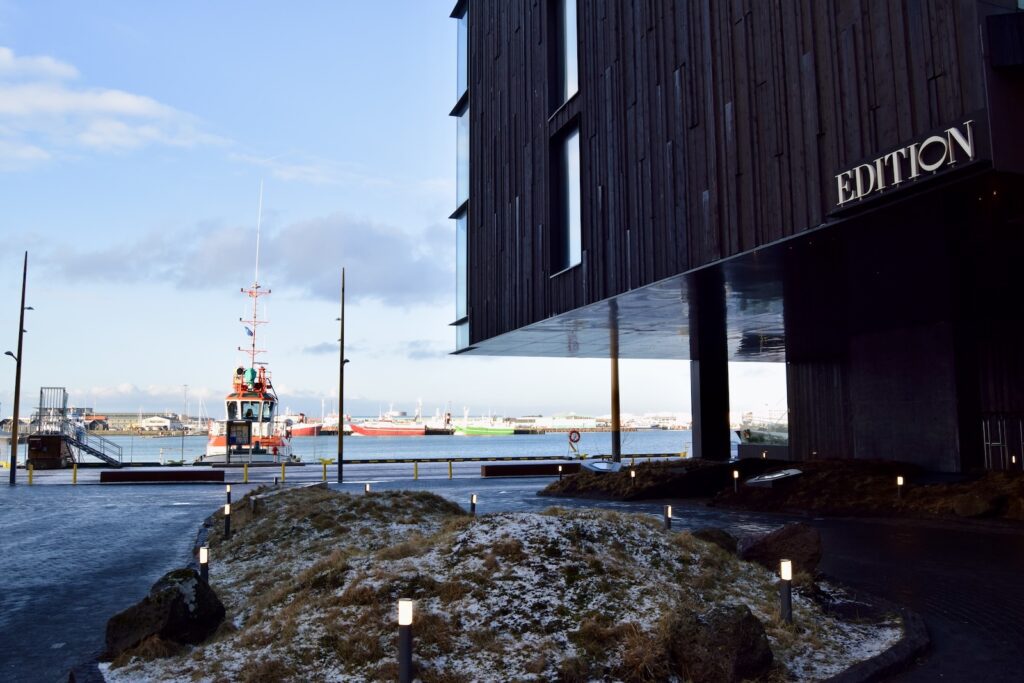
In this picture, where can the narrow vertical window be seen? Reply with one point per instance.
(565, 71)
(570, 66)
(460, 266)
(462, 81)
(462, 157)
(566, 219)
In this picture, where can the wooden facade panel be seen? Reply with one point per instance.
(707, 129)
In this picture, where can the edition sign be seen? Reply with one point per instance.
(907, 164)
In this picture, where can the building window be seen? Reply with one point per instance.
(463, 77)
(565, 74)
(566, 223)
(460, 266)
(462, 335)
(462, 157)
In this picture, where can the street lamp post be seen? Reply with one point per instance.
(17, 371)
(341, 383)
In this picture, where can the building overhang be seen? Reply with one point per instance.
(654, 321)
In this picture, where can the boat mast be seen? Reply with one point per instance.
(255, 293)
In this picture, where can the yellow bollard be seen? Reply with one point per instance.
(245, 473)
(282, 473)
(415, 471)
(449, 469)
(325, 470)
(30, 469)
(74, 473)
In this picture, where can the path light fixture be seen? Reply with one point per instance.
(764, 455)
(632, 477)
(366, 488)
(227, 490)
(472, 505)
(668, 517)
(227, 521)
(559, 473)
(899, 486)
(405, 640)
(735, 481)
(785, 592)
(204, 563)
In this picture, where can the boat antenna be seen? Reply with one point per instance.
(259, 220)
(255, 293)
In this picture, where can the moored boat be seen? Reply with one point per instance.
(484, 430)
(250, 434)
(388, 428)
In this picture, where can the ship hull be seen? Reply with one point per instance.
(390, 430)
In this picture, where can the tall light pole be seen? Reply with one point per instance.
(184, 416)
(341, 383)
(17, 371)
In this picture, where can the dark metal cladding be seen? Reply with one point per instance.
(747, 139)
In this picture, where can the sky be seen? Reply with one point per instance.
(133, 141)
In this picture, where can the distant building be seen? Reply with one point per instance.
(161, 423)
(837, 186)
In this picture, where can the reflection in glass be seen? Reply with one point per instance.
(460, 266)
(573, 223)
(461, 336)
(570, 73)
(463, 55)
(462, 158)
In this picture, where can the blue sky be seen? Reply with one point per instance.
(133, 138)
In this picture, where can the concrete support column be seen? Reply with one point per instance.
(616, 423)
(709, 369)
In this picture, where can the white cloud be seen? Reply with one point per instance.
(44, 67)
(44, 115)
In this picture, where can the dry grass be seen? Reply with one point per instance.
(311, 583)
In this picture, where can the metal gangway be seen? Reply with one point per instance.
(52, 418)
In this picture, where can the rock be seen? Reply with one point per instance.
(973, 505)
(720, 537)
(795, 541)
(180, 607)
(727, 645)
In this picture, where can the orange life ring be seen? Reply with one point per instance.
(574, 436)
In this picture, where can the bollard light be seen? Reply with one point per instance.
(899, 487)
(786, 570)
(735, 481)
(1013, 459)
(227, 520)
(764, 455)
(785, 592)
(366, 487)
(204, 563)
(472, 504)
(632, 474)
(405, 640)
(227, 490)
(559, 473)
(668, 517)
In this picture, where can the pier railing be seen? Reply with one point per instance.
(96, 446)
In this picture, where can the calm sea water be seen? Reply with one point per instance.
(310, 449)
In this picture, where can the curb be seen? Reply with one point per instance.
(900, 656)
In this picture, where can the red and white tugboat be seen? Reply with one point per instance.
(252, 399)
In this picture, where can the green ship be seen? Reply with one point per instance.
(482, 430)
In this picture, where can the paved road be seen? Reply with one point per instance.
(966, 581)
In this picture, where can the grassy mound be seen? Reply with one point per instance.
(311, 585)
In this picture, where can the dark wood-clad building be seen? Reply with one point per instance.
(833, 184)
